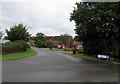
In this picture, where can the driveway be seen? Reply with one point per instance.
(51, 66)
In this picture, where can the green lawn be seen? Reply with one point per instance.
(18, 55)
(92, 58)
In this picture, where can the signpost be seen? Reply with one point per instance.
(103, 56)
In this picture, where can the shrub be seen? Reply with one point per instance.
(68, 49)
(50, 44)
(40, 44)
(21, 45)
(9, 47)
(16, 46)
(80, 50)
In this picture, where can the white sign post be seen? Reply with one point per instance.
(103, 56)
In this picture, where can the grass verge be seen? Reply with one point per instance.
(84, 57)
(18, 55)
(56, 49)
(92, 58)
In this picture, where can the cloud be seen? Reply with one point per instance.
(50, 17)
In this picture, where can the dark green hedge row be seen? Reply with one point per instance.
(16, 46)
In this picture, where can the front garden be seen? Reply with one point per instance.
(16, 50)
(18, 46)
(18, 55)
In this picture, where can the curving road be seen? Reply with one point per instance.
(51, 66)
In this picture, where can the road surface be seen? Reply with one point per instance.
(51, 66)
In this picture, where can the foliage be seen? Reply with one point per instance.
(76, 38)
(40, 40)
(80, 50)
(97, 26)
(50, 44)
(21, 45)
(64, 39)
(9, 45)
(68, 49)
(17, 32)
(16, 46)
(40, 43)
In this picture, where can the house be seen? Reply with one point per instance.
(58, 43)
(32, 41)
(70, 42)
(78, 44)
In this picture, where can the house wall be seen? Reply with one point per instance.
(70, 42)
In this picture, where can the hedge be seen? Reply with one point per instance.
(16, 46)
(68, 49)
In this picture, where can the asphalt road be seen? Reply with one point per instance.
(51, 66)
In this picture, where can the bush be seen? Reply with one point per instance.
(68, 49)
(21, 45)
(16, 46)
(80, 50)
(8, 45)
(50, 44)
(40, 44)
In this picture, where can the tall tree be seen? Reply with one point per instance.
(40, 40)
(96, 25)
(18, 32)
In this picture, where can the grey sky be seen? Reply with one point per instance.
(50, 17)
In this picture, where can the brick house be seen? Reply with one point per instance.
(57, 43)
(70, 41)
(78, 44)
(56, 40)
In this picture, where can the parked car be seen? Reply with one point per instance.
(60, 46)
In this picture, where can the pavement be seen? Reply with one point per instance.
(52, 66)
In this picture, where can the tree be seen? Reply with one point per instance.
(96, 25)
(17, 32)
(40, 40)
(76, 38)
(50, 44)
(64, 39)
(40, 35)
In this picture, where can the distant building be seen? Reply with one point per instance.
(56, 40)
(32, 41)
(78, 44)
(58, 44)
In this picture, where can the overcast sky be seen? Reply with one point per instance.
(50, 17)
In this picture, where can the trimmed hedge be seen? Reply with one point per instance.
(80, 50)
(16, 46)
